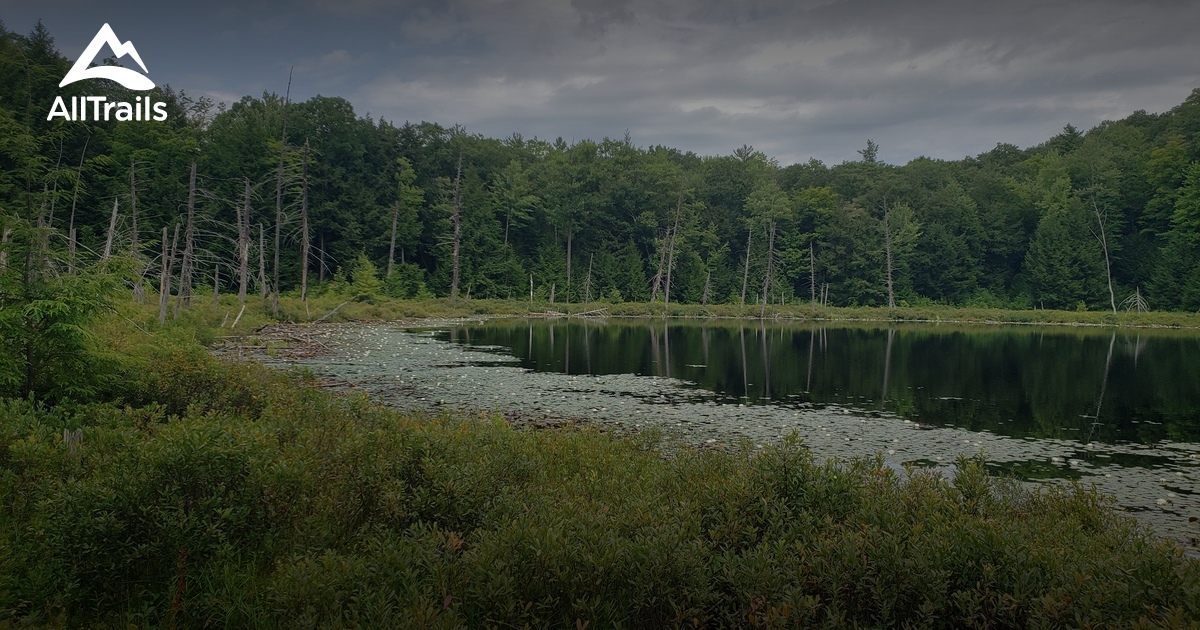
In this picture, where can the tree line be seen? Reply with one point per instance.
(267, 196)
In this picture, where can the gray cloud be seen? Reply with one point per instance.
(797, 79)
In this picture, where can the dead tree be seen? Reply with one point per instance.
(587, 282)
(164, 280)
(746, 272)
(112, 230)
(1101, 236)
(457, 231)
(74, 198)
(184, 296)
(304, 246)
(770, 267)
(323, 268)
(4, 239)
(244, 244)
(887, 247)
(392, 245)
(262, 261)
(812, 274)
(279, 197)
(139, 291)
(671, 247)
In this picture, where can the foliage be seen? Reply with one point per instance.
(1011, 227)
(265, 500)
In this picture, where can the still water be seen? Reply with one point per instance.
(1119, 410)
(1085, 384)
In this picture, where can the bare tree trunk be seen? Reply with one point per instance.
(6, 237)
(812, 274)
(770, 267)
(531, 288)
(552, 293)
(112, 230)
(707, 286)
(662, 263)
(71, 240)
(392, 246)
(746, 272)
(887, 246)
(54, 191)
(671, 247)
(139, 291)
(244, 245)
(279, 196)
(74, 198)
(570, 235)
(184, 296)
(216, 286)
(457, 230)
(322, 263)
(1102, 237)
(164, 279)
(304, 246)
(587, 283)
(262, 261)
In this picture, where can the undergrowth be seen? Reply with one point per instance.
(205, 493)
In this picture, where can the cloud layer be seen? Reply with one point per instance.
(795, 79)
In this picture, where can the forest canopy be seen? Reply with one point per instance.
(1085, 220)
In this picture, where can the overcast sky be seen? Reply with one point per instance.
(795, 79)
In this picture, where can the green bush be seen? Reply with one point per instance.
(227, 494)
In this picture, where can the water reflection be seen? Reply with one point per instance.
(1086, 385)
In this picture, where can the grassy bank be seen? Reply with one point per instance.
(348, 308)
(208, 493)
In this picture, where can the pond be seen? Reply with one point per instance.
(1119, 409)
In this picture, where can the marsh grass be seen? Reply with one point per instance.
(212, 493)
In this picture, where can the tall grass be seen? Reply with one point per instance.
(224, 494)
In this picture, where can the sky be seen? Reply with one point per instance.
(796, 79)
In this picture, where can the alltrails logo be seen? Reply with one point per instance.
(101, 108)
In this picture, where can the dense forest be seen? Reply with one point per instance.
(270, 193)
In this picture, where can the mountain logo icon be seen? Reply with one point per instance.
(126, 77)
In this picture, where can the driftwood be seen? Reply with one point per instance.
(327, 315)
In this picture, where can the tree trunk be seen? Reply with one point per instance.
(1102, 237)
(812, 274)
(262, 261)
(671, 247)
(244, 244)
(322, 262)
(392, 246)
(139, 291)
(71, 240)
(770, 267)
(587, 283)
(707, 286)
(189, 238)
(887, 246)
(279, 198)
(662, 262)
(74, 198)
(457, 230)
(746, 272)
(4, 239)
(112, 230)
(164, 279)
(216, 286)
(570, 234)
(304, 246)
